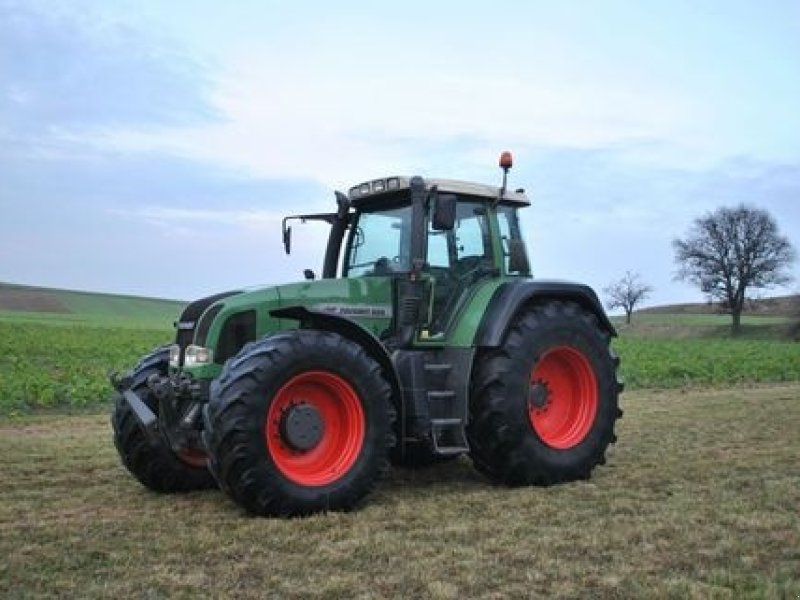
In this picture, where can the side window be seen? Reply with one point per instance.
(515, 257)
(437, 249)
(472, 233)
(457, 259)
(468, 242)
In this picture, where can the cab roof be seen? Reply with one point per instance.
(374, 190)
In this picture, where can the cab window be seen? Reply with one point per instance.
(379, 243)
(458, 258)
(515, 258)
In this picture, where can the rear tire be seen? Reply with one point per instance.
(299, 422)
(544, 404)
(152, 461)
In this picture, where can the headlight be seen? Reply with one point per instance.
(196, 356)
(174, 356)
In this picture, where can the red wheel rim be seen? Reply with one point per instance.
(567, 400)
(193, 458)
(343, 428)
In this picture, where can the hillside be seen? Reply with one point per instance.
(779, 306)
(29, 303)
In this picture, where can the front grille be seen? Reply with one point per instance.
(187, 322)
(205, 324)
(184, 335)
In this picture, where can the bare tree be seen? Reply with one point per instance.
(730, 250)
(626, 294)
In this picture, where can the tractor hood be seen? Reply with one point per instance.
(229, 321)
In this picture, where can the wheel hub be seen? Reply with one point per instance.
(538, 396)
(302, 427)
(563, 397)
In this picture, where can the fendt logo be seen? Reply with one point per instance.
(363, 311)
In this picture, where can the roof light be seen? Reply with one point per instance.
(393, 183)
(505, 160)
(378, 185)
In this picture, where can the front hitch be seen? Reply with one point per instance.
(146, 417)
(180, 399)
(120, 382)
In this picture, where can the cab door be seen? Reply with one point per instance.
(457, 260)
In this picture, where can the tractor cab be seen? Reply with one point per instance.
(436, 239)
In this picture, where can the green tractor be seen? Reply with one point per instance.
(425, 340)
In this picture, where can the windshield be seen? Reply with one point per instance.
(380, 243)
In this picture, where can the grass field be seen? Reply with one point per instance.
(51, 361)
(49, 364)
(29, 304)
(699, 500)
(57, 347)
(694, 362)
(682, 326)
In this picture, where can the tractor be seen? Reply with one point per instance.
(424, 339)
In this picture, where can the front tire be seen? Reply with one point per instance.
(299, 422)
(544, 404)
(151, 460)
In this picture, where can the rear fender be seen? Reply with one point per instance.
(511, 297)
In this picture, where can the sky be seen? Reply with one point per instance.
(152, 147)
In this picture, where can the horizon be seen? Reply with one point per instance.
(613, 313)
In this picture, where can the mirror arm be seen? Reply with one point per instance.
(287, 236)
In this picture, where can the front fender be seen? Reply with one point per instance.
(345, 327)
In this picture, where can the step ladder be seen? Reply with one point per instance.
(447, 418)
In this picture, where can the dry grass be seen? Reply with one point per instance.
(699, 499)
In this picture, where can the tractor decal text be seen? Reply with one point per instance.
(362, 311)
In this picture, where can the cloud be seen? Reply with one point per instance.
(67, 72)
(596, 215)
(128, 165)
(279, 123)
(181, 219)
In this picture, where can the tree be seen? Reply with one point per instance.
(730, 250)
(626, 294)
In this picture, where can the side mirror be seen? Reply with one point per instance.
(287, 238)
(444, 212)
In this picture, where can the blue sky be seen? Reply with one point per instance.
(151, 148)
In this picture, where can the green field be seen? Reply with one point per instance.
(682, 326)
(29, 304)
(46, 365)
(699, 497)
(57, 347)
(696, 362)
(698, 500)
(63, 360)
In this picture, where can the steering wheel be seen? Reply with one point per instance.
(383, 266)
(466, 265)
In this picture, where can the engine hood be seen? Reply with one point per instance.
(366, 300)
